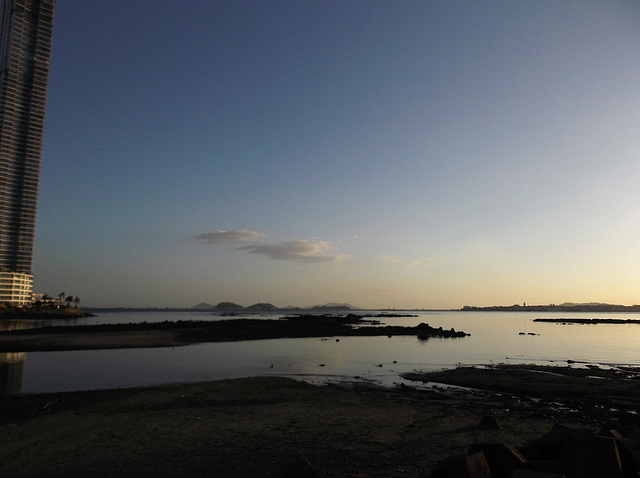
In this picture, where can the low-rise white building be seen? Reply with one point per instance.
(16, 289)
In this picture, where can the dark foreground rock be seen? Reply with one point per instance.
(606, 396)
(562, 452)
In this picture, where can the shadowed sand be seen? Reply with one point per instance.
(259, 426)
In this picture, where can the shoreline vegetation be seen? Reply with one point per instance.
(176, 333)
(272, 426)
(42, 313)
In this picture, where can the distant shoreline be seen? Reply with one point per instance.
(566, 308)
(42, 313)
(258, 309)
(581, 321)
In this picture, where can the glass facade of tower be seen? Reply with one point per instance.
(26, 30)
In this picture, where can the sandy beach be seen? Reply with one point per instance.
(264, 426)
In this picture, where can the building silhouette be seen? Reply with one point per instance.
(26, 30)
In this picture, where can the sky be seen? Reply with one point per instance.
(406, 154)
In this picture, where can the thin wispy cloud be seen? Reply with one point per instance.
(390, 260)
(228, 237)
(297, 250)
(412, 263)
(302, 250)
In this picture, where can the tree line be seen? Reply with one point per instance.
(63, 300)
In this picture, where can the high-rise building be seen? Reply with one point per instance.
(26, 30)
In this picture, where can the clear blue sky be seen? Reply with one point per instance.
(414, 154)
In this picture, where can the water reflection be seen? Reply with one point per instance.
(12, 372)
(494, 338)
(12, 363)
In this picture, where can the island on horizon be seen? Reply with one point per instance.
(231, 308)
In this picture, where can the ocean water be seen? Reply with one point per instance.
(496, 337)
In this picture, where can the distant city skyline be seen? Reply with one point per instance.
(406, 154)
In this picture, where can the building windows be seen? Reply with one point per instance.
(26, 28)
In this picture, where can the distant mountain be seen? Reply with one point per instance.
(262, 306)
(228, 306)
(589, 304)
(203, 306)
(267, 307)
(335, 306)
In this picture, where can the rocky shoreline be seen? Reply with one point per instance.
(171, 334)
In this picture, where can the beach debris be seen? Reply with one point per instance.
(47, 407)
(407, 388)
(534, 474)
(503, 458)
(488, 423)
(562, 452)
(300, 468)
(471, 466)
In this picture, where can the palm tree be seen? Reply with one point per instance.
(77, 301)
(68, 300)
(61, 296)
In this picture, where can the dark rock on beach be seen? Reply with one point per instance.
(561, 452)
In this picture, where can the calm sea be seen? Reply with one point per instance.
(495, 338)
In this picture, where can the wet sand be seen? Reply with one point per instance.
(260, 426)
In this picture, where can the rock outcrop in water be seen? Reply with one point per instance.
(187, 332)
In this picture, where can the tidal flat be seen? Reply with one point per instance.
(176, 333)
(270, 426)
